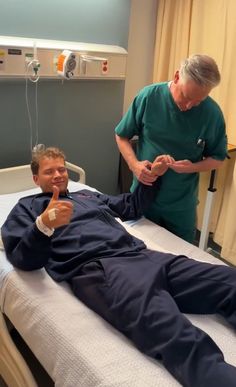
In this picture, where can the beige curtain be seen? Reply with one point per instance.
(185, 27)
(173, 25)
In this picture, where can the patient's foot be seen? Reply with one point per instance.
(157, 169)
(159, 165)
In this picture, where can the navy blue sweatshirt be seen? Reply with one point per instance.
(92, 234)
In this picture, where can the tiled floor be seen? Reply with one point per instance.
(213, 248)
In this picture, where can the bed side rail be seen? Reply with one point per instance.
(15, 179)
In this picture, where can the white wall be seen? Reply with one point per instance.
(140, 47)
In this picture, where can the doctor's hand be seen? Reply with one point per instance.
(58, 212)
(182, 166)
(142, 170)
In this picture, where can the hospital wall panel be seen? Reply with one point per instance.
(77, 115)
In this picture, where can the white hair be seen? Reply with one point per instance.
(201, 69)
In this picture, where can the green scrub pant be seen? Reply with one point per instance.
(180, 222)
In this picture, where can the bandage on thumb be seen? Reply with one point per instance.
(52, 214)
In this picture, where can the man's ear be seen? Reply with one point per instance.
(36, 179)
(176, 77)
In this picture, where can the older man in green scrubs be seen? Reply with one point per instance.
(180, 120)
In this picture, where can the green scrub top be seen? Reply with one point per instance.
(163, 129)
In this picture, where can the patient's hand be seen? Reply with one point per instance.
(161, 164)
(58, 212)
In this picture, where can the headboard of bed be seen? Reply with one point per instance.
(19, 178)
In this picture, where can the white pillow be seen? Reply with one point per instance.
(7, 201)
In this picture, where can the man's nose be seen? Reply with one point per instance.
(56, 173)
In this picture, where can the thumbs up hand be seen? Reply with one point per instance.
(58, 212)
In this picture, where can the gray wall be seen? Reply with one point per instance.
(141, 47)
(78, 116)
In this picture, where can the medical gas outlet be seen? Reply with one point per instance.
(30, 61)
(105, 67)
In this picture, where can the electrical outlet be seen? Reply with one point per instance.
(105, 67)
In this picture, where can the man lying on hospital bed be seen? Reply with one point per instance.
(143, 293)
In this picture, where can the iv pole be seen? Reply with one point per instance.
(209, 206)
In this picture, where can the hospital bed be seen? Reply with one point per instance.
(74, 345)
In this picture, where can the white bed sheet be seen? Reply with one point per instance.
(77, 347)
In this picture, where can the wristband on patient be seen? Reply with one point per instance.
(44, 229)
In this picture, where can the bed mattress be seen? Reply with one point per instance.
(76, 346)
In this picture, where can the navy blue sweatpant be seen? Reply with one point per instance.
(145, 294)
